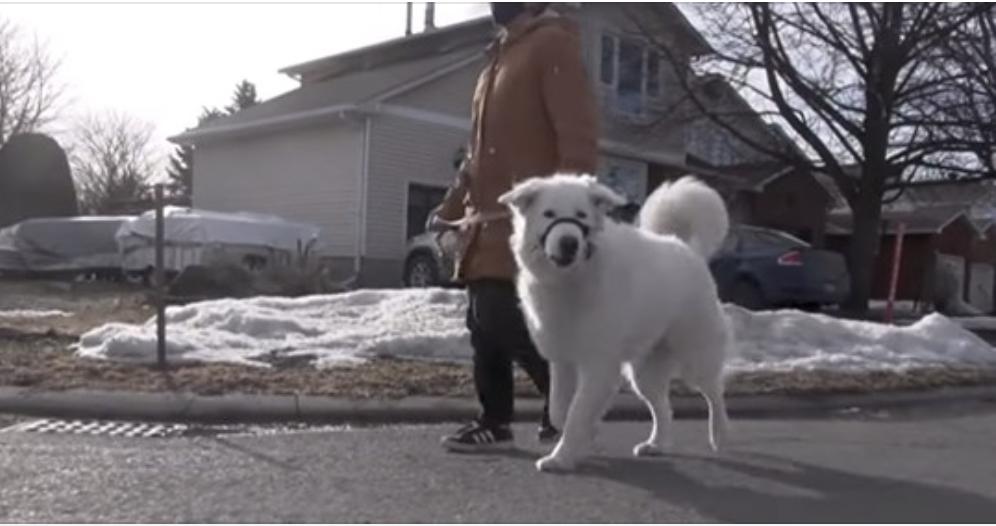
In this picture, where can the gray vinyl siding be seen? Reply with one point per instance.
(310, 175)
(403, 151)
(450, 95)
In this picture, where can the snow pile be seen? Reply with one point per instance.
(349, 328)
(337, 329)
(791, 340)
(31, 314)
(976, 323)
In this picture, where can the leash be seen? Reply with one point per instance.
(474, 219)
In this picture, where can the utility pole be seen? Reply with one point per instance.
(430, 16)
(408, 19)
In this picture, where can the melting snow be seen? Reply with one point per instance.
(346, 329)
(30, 314)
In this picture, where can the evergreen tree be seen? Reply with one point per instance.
(243, 97)
(181, 164)
(181, 175)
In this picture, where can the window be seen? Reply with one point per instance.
(422, 199)
(629, 78)
(607, 70)
(631, 71)
(730, 243)
(724, 149)
(712, 143)
(626, 176)
(767, 239)
(653, 75)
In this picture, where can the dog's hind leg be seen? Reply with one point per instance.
(651, 379)
(701, 356)
(710, 383)
(713, 391)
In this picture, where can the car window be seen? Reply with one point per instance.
(764, 239)
(729, 244)
(779, 238)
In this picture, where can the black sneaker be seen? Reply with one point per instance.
(476, 437)
(548, 434)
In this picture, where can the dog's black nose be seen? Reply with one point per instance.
(569, 246)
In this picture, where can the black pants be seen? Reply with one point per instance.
(500, 338)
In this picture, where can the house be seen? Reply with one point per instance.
(981, 287)
(941, 227)
(767, 191)
(364, 147)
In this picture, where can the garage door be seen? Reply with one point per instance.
(980, 292)
(953, 270)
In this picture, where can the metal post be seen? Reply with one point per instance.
(897, 258)
(408, 22)
(430, 16)
(160, 279)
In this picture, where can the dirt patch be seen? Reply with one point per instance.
(43, 361)
(84, 305)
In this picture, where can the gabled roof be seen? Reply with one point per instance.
(340, 93)
(756, 176)
(927, 220)
(474, 32)
(336, 85)
(471, 32)
(948, 192)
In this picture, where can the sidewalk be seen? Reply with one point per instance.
(259, 409)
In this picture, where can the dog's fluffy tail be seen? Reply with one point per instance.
(690, 210)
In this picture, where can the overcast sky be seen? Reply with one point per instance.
(162, 62)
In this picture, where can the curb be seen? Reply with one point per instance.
(268, 409)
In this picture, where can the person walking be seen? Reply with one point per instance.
(533, 114)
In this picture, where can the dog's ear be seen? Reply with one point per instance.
(522, 195)
(603, 197)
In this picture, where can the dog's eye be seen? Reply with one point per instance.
(549, 214)
(581, 214)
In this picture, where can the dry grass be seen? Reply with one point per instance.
(42, 361)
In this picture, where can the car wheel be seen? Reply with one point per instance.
(421, 271)
(747, 294)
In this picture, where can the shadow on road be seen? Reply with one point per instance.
(808, 493)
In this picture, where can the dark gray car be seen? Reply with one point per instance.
(429, 260)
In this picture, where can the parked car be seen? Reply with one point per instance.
(429, 260)
(756, 268)
(759, 268)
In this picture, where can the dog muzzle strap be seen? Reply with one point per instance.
(585, 230)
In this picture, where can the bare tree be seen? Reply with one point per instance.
(30, 92)
(856, 85)
(113, 161)
(970, 55)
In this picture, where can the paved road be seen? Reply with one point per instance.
(926, 468)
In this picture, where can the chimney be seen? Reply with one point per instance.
(430, 16)
(408, 20)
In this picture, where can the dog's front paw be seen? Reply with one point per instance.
(555, 463)
(649, 449)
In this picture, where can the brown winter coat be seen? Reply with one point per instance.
(533, 114)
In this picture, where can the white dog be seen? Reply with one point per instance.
(603, 298)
